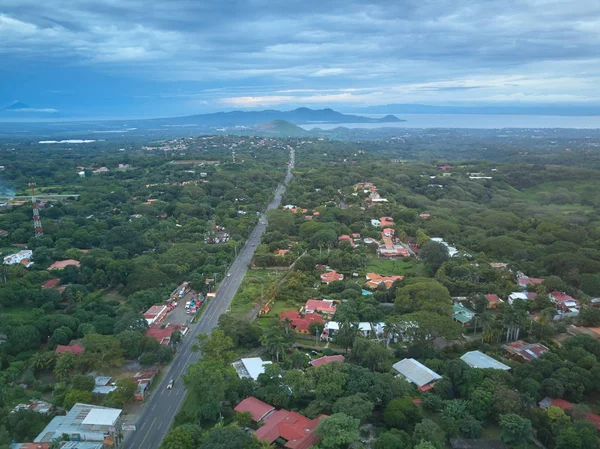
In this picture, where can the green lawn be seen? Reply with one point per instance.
(393, 267)
(254, 287)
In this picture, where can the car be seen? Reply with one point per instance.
(228, 274)
(254, 244)
(170, 384)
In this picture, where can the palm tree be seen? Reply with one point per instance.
(346, 335)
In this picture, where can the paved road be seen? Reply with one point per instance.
(155, 419)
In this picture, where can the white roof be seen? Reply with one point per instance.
(102, 417)
(103, 389)
(477, 359)
(518, 295)
(416, 372)
(332, 325)
(364, 326)
(254, 366)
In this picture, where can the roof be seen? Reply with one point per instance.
(529, 281)
(296, 429)
(477, 359)
(73, 349)
(51, 283)
(299, 322)
(528, 351)
(461, 314)
(561, 297)
(326, 306)
(416, 372)
(331, 276)
(458, 443)
(566, 405)
(251, 367)
(102, 417)
(374, 280)
(154, 311)
(257, 408)
(493, 298)
(30, 445)
(61, 264)
(327, 359)
(162, 335)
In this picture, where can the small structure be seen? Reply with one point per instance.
(155, 314)
(417, 373)
(35, 405)
(526, 281)
(62, 264)
(477, 359)
(84, 422)
(493, 301)
(102, 385)
(258, 409)
(566, 405)
(564, 302)
(250, 367)
(525, 351)
(462, 315)
(144, 379)
(327, 359)
(51, 283)
(73, 348)
(499, 265)
(324, 307)
(522, 296)
(331, 276)
(301, 323)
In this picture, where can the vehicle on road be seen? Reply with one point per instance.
(170, 384)
(228, 274)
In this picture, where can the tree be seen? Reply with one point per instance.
(426, 445)
(228, 438)
(101, 351)
(402, 413)
(65, 363)
(515, 430)
(276, 341)
(393, 439)
(177, 438)
(423, 294)
(371, 354)
(25, 425)
(75, 396)
(357, 406)
(337, 431)
(22, 339)
(346, 335)
(433, 254)
(123, 395)
(217, 346)
(82, 382)
(429, 431)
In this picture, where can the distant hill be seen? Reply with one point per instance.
(300, 116)
(15, 106)
(488, 109)
(20, 111)
(282, 128)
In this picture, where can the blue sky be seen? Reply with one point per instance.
(169, 57)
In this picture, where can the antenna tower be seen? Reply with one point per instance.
(37, 224)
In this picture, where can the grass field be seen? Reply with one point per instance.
(255, 286)
(393, 267)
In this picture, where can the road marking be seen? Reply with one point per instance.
(159, 426)
(153, 407)
(142, 444)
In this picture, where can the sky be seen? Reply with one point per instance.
(152, 58)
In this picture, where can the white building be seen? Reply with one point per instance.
(416, 373)
(477, 359)
(19, 257)
(250, 367)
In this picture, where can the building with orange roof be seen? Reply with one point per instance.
(331, 276)
(301, 323)
(325, 306)
(73, 348)
(347, 238)
(493, 301)
(386, 222)
(258, 409)
(296, 430)
(374, 280)
(62, 264)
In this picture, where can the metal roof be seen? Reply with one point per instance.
(477, 359)
(416, 372)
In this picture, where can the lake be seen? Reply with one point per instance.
(480, 121)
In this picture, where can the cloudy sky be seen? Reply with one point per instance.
(166, 57)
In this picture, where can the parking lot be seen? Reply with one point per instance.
(179, 314)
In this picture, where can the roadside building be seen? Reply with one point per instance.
(325, 307)
(258, 409)
(416, 373)
(155, 314)
(477, 359)
(462, 315)
(251, 367)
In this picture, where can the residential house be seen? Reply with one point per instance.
(301, 323)
(327, 359)
(417, 373)
(386, 222)
(144, 379)
(84, 422)
(365, 329)
(156, 314)
(527, 282)
(251, 367)
(296, 430)
(347, 238)
(73, 348)
(323, 306)
(388, 232)
(493, 301)
(162, 334)
(564, 302)
(525, 351)
(477, 359)
(522, 296)
(62, 264)
(102, 385)
(566, 405)
(329, 330)
(499, 265)
(375, 223)
(35, 405)
(258, 409)
(331, 276)
(462, 315)
(452, 251)
(375, 280)
(425, 215)
(51, 283)
(23, 257)
(281, 252)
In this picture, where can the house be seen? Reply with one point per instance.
(460, 443)
(251, 367)
(329, 330)
(31, 446)
(84, 422)
(452, 251)
(327, 359)
(73, 348)
(564, 302)
(282, 252)
(525, 351)
(462, 315)
(144, 379)
(102, 385)
(320, 267)
(365, 328)
(331, 276)
(296, 430)
(499, 265)
(35, 405)
(51, 283)
(163, 334)
(566, 405)
(23, 257)
(61, 264)
(155, 314)
(375, 223)
(417, 373)
(388, 232)
(477, 359)
(386, 222)
(425, 215)
(375, 280)
(526, 282)
(445, 167)
(324, 306)
(347, 238)
(101, 170)
(523, 296)
(301, 323)
(258, 409)
(493, 301)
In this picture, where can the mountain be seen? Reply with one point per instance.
(282, 128)
(300, 116)
(16, 106)
(487, 109)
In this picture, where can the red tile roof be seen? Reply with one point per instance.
(35, 446)
(296, 429)
(492, 298)
(375, 279)
(529, 281)
(299, 322)
(529, 351)
(51, 283)
(331, 276)
(75, 349)
(61, 264)
(327, 359)
(161, 335)
(566, 405)
(320, 306)
(257, 408)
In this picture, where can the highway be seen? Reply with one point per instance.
(157, 415)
